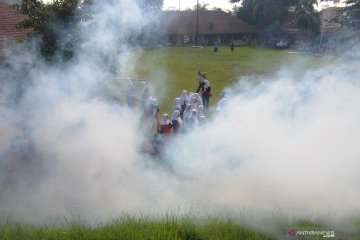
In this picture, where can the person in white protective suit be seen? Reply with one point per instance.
(193, 102)
(176, 122)
(186, 114)
(188, 98)
(198, 99)
(193, 121)
(183, 101)
(200, 111)
(177, 105)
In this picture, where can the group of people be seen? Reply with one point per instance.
(188, 110)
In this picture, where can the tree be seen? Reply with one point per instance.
(268, 12)
(290, 3)
(308, 20)
(55, 23)
(202, 7)
(351, 14)
(287, 3)
(245, 12)
(154, 4)
(263, 13)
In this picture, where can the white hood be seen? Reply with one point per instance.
(165, 119)
(199, 99)
(183, 97)
(187, 110)
(188, 98)
(193, 102)
(176, 116)
(177, 104)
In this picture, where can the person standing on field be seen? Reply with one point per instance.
(131, 94)
(155, 114)
(188, 98)
(145, 93)
(177, 104)
(183, 102)
(176, 121)
(165, 125)
(186, 114)
(198, 99)
(216, 47)
(192, 121)
(206, 94)
(201, 81)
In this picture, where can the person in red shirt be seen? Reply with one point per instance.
(165, 125)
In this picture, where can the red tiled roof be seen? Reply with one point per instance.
(210, 22)
(9, 18)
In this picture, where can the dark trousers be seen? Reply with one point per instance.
(182, 111)
(206, 100)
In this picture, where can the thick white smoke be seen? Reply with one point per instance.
(69, 145)
(290, 142)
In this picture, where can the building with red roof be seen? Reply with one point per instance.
(213, 26)
(9, 19)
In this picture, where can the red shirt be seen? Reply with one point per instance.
(165, 129)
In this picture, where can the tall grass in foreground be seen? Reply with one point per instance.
(135, 228)
(173, 227)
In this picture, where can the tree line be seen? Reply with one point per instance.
(56, 23)
(266, 13)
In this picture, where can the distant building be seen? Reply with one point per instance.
(9, 18)
(329, 30)
(214, 26)
(328, 26)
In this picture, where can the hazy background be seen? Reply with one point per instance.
(290, 142)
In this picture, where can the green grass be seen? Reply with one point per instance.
(177, 67)
(169, 226)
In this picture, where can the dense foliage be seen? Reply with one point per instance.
(264, 13)
(56, 24)
(271, 16)
(351, 14)
(308, 19)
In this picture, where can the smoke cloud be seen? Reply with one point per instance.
(289, 142)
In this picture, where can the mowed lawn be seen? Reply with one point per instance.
(172, 69)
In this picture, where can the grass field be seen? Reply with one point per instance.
(179, 66)
(187, 227)
(137, 228)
